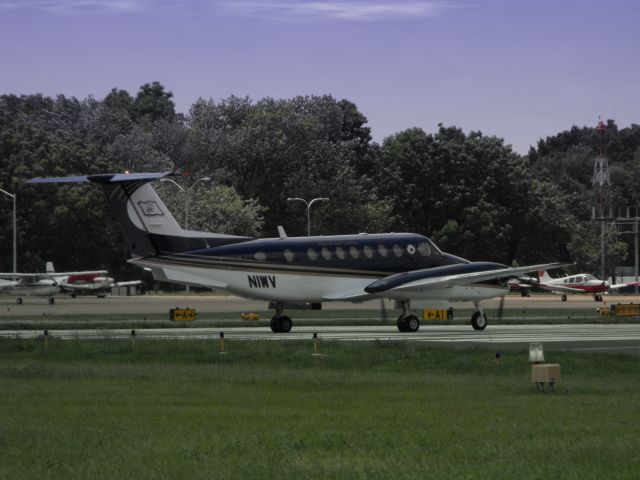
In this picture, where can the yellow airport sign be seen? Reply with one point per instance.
(182, 314)
(437, 314)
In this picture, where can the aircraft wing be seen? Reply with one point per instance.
(559, 288)
(348, 296)
(424, 279)
(70, 287)
(127, 284)
(7, 284)
(21, 275)
(84, 272)
(618, 286)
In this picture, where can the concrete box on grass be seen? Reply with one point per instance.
(545, 372)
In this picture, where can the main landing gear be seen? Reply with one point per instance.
(597, 297)
(280, 323)
(407, 323)
(479, 319)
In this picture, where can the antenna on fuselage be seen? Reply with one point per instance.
(281, 233)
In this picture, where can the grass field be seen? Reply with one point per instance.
(178, 409)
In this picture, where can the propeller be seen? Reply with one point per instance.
(500, 309)
(383, 311)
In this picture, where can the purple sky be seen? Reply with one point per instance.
(518, 69)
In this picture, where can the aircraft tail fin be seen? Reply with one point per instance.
(49, 267)
(544, 276)
(148, 226)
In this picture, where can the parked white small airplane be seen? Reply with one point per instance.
(579, 283)
(28, 284)
(405, 267)
(50, 283)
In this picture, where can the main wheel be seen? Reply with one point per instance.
(275, 325)
(479, 321)
(563, 298)
(412, 323)
(19, 301)
(52, 300)
(524, 292)
(402, 324)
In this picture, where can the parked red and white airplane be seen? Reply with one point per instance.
(405, 267)
(579, 283)
(50, 283)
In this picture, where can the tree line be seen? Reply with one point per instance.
(471, 193)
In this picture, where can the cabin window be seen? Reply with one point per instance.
(382, 250)
(289, 255)
(368, 251)
(397, 251)
(326, 253)
(411, 249)
(340, 253)
(260, 256)
(313, 255)
(424, 249)
(572, 280)
(355, 253)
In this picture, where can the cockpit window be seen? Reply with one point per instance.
(424, 249)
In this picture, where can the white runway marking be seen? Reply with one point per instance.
(499, 334)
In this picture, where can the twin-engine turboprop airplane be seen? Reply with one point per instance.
(405, 267)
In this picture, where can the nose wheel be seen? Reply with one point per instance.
(479, 321)
(281, 324)
(407, 322)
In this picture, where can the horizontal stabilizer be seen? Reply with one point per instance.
(104, 178)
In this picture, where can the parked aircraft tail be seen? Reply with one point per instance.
(148, 226)
(544, 276)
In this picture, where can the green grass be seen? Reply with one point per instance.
(178, 409)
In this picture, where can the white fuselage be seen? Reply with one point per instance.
(307, 287)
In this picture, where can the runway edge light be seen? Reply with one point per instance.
(536, 354)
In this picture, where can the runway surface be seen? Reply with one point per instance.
(152, 304)
(579, 337)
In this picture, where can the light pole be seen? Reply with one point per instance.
(187, 201)
(15, 243)
(308, 205)
(187, 196)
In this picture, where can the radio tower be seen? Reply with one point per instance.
(601, 184)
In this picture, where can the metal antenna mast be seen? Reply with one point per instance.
(601, 184)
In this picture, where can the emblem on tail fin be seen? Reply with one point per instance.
(150, 208)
